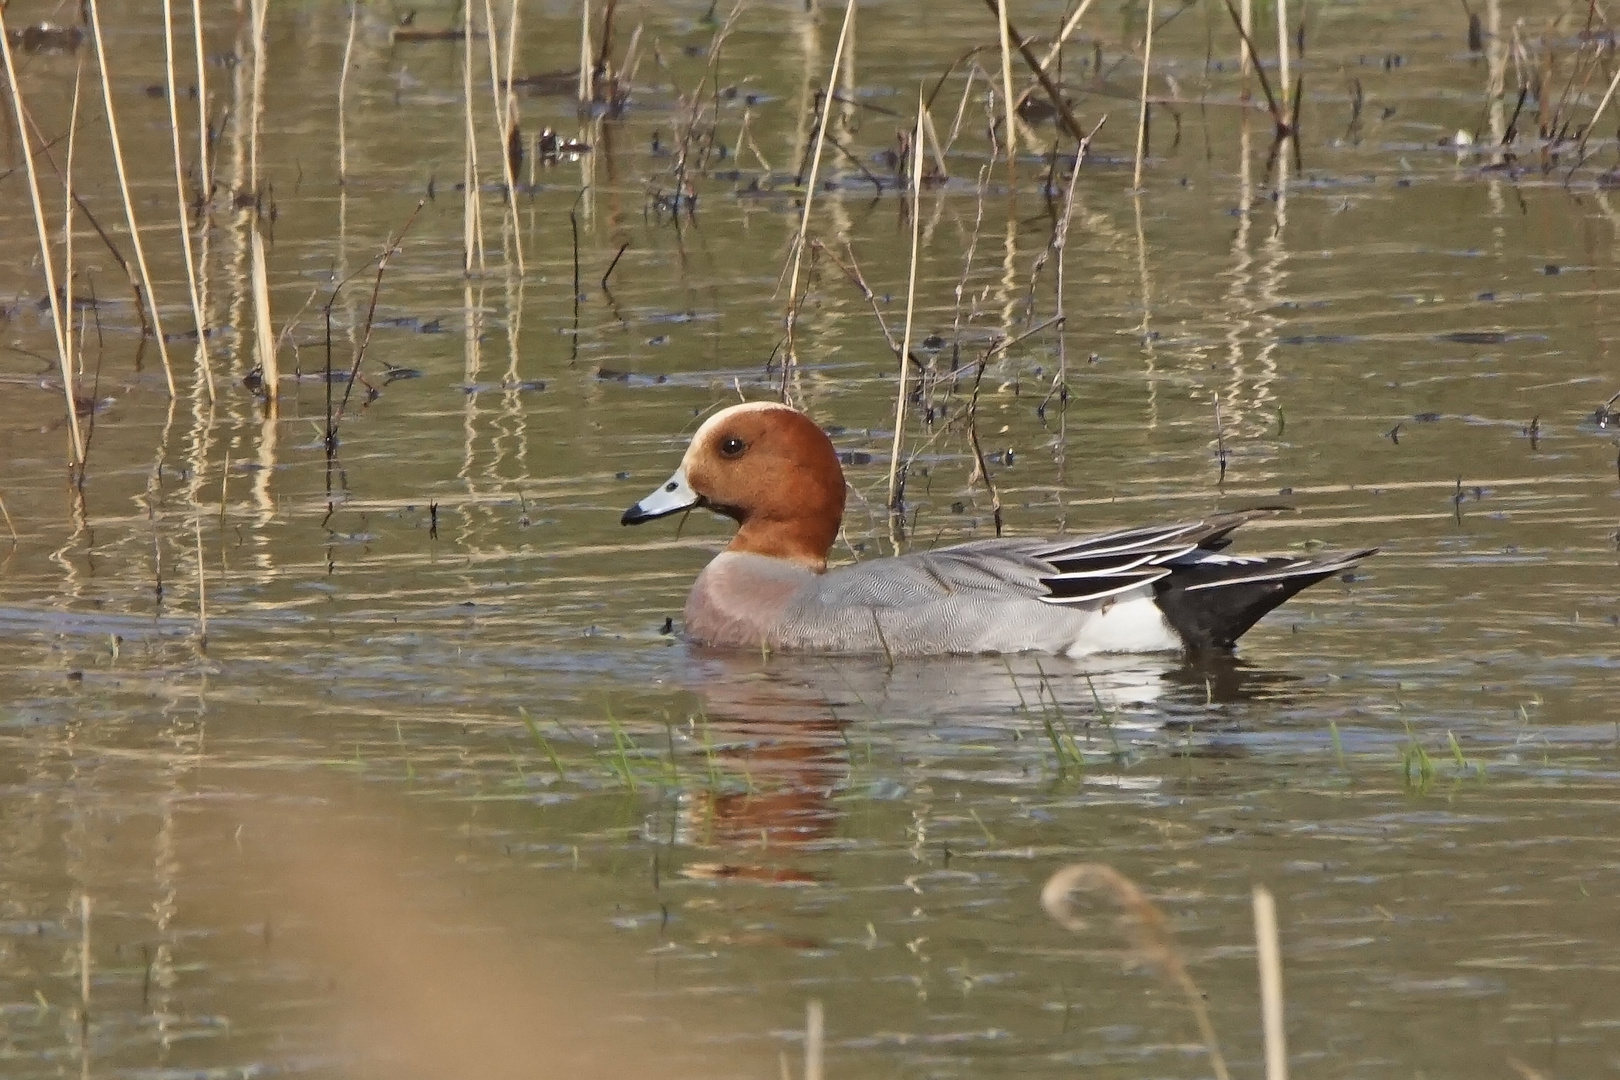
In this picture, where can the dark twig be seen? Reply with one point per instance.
(1051, 88)
(1259, 69)
(371, 316)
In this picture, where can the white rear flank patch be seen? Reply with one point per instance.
(1132, 623)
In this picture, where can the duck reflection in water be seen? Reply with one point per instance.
(785, 736)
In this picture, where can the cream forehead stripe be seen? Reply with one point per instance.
(719, 418)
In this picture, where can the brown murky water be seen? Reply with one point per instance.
(437, 789)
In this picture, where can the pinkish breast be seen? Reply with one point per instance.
(739, 599)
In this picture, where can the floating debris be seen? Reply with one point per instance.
(46, 37)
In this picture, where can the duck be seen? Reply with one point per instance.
(773, 470)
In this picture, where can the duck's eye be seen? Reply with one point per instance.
(732, 447)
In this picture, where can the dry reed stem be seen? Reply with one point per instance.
(205, 173)
(1603, 103)
(180, 199)
(1142, 924)
(343, 94)
(809, 198)
(202, 591)
(587, 85)
(1060, 241)
(1271, 984)
(129, 204)
(1142, 115)
(67, 221)
(1282, 50)
(258, 20)
(269, 367)
(1054, 94)
(1069, 27)
(62, 356)
(10, 527)
(472, 215)
(896, 517)
(1003, 25)
(371, 318)
(1246, 55)
(84, 955)
(503, 121)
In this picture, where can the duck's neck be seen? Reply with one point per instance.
(805, 543)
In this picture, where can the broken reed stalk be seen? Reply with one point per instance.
(472, 214)
(1004, 25)
(63, 358)
(202, 591)
(503, 127)
(180, 199)
(205, 172)
(84, 961)
(129, 203)
(10, 526)
(815, 1038)
(1142, 115)
(896, 511)
(1143, 925)
(343, 94)
(809, 198)
(264, 336)
(1271, 984)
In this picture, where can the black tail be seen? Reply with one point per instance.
(1213, 602)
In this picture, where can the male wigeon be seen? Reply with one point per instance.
(774, 471)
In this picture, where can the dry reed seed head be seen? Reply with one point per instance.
(1136, 917)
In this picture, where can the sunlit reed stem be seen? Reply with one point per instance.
(258, 19)
(343, 95)
(129, 204)
(44, 242)
(202, 591)
(84, 956)
(472, 213)
(1285, 89)
(503, 128)
(10, 525)
(587, 87)
(67, 220)
(896, 512)
(1069, 27)
(1271, 984)
(810, 189)
(269, 366)
(1142, 115)
(205, 171)
(1004, 22)
(815, 1037)
(180, 199)
(259, 277)
(1246, 56)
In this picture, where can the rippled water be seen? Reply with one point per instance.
(436, 781)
